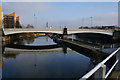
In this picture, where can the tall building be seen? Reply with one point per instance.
(17, 22)
(47, 25)
(0, 17)
(9, 20)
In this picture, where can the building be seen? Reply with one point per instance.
(17, 22)
(47, 25)
(0, 17)
(108, 27)
(9, 20)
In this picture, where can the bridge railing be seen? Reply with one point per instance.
(100, 70)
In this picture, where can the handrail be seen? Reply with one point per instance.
(100, 65)
(111, 69)
(111, 55)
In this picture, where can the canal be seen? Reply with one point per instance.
(43, 63)
(40, 57)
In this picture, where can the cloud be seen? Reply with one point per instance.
(98, 20)
(26, 10)
(23, 7)
(57, 15)
(107, 19)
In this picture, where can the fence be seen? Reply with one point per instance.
(100, 70)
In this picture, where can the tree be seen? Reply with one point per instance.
(30, 26)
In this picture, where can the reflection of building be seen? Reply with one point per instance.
(10, 56)
(1, 62)
(9, 20)
(0, 16)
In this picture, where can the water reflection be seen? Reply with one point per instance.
(59, 62)
(43, 40)
(45, 65)
(40, 62)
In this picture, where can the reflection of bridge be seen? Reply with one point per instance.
(14, 50)
(9, 50)
(57, 31)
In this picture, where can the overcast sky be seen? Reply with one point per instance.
(73, 14)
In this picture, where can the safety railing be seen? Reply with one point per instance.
(100, 70)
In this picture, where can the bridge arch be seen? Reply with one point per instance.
(27, 30)
(56, 31)
(93, 31)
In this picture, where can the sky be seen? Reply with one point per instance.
(57, 14)
(60, 0)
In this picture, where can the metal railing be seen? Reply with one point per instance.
(100, 70)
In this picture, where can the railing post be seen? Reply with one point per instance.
(100, 73)
(118, 58)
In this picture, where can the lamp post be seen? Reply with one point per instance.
(35, 20)
(82, 22)
(91, 20)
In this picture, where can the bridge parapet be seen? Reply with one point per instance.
(27, 30)
(74, 31)
(56, 30)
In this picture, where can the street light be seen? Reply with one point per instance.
(82, 22)
(91, 20)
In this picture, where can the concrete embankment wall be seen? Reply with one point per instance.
(78, 47)
(116, 35)
(95, 38)
(0, 35)
(0, 53)
(93, 54)
(0, 41)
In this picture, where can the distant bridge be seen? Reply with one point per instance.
(55, 30)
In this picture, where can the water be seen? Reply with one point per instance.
(43, 40)
(44, 64)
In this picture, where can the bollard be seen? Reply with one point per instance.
(65, 33)
(64, 49)
(118, 64)
(72, 37)
(100, 73)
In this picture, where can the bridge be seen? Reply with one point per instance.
(56, 31)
